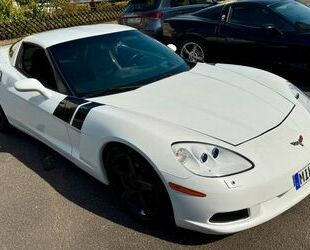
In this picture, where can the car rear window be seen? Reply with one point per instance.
(142, 5)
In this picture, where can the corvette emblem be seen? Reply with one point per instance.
(299, 142)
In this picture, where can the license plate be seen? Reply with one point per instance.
(135, 20)
(302, 177)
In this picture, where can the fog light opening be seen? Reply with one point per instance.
(230, 216)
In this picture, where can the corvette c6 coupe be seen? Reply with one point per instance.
(216, 148)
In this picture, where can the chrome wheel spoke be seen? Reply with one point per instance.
(186, 50)
(192, 52)
(199, 58)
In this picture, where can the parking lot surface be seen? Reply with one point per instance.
(48, 203)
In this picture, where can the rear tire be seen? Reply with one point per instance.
(193, 50)
(4, 123)
(137, 185)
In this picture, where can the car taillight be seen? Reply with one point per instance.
(155, 15)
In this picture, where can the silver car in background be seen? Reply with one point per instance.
(148, 15)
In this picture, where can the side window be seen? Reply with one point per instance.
(213, 13)
(255, 17)
(178, 3)
(34, 63)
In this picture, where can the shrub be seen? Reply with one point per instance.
(14, 10)
(8, 10)
(23, 2)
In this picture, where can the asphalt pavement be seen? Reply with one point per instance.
(48, 203)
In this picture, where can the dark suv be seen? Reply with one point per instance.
(148, 15)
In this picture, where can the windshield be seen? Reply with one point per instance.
(295, 12)
(142, 5)
(126, 60)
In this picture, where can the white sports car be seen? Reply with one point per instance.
(216, 148)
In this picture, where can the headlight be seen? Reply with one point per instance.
(210, 160)
(300, 96)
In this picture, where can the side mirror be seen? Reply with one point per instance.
(172, 47)
(271, 29)
(31, 84)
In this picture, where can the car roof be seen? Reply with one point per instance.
(49, 38)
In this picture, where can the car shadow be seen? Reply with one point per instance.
(85, 191)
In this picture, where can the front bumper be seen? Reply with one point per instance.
(265, 191)
(258, 214)
(264, 199)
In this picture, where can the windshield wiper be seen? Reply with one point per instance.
(112, 91)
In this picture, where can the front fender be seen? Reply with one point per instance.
(150, 137)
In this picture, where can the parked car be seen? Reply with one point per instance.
(148, 15)
(270, 34)
(216, 148)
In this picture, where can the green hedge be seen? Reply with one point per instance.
(19, 10)
(28, 21)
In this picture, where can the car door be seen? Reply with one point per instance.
(207, 28)
(31, 111)
(253, 35)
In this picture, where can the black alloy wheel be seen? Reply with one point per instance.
(138, 186)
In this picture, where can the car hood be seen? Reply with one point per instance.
(208, 99)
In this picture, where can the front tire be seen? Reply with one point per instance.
(4, 123)
(138, 186)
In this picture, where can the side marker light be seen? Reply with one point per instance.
(185, 190)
